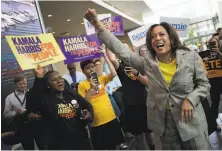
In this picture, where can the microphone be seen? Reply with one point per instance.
(77, 108)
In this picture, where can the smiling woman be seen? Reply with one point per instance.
(174, 111)
(64, 125)
(163, 39)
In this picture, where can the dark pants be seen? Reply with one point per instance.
(210, 119)
(119, 101)
(107, 136)
(37, 134)
(215, 91)
(24, 135)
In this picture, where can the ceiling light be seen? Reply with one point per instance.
(82, 23)
(49, 15)
(53, 32)
(68, 19)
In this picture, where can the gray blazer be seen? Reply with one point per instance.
(189, 82)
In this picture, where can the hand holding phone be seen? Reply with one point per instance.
(130, 70)
(94, 78)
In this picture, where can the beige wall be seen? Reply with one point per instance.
(61, 67)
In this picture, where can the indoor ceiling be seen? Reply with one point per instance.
(135, 9)
(61, 11)
(149, 11)
(134, 13)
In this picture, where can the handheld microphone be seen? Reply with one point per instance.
(77, 108)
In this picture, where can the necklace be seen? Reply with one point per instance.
(168, 61)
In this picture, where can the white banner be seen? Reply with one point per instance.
(90, 28)
(138, 36)
(180, 24)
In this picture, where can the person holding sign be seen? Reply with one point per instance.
(64, 112)
(134, 100)
(106, 132)
(177, 83)
(213, 65)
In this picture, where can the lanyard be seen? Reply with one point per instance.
(73, 78)
(21, 102)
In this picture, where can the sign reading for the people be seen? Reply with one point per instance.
(214, 67)
(113, 23)
(138, 36)
(180, 24)
(80, 48)
(34, 50)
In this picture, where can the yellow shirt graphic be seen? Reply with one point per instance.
(66, 110)
(102, 107)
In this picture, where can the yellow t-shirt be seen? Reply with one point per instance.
(168, 70)
(102, 107)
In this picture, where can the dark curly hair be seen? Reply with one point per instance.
(85, 63)
(173, 36)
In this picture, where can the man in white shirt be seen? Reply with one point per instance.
(16, 101)
(15, 104)
(74, 77)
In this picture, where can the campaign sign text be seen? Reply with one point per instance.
(80, 48)
(214, 67)
(180, 24)
(34, 50)
(114, 24)
(138, 36)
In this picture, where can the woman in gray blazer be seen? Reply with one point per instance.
(177, 84)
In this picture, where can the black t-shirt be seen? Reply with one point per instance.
(134, 93)
(63, 118)
(61, 121)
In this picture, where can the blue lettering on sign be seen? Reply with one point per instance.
(179, 27)
(139, 35)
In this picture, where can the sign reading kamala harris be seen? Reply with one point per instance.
(180, 24)
(138, 36)
(80, 48)
(34, 50)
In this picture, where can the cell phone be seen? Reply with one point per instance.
(95, 77)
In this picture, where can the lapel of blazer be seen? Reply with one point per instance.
(179, 58)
